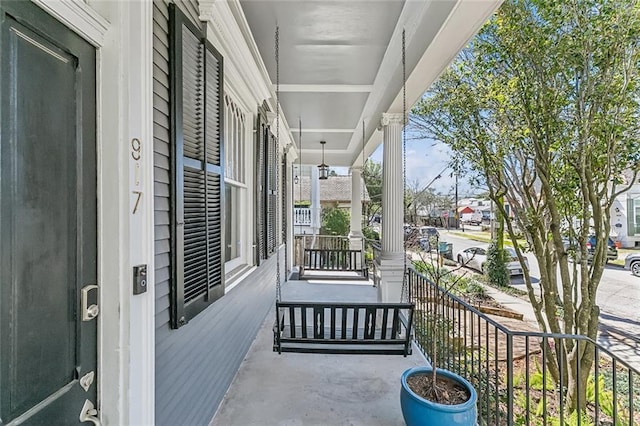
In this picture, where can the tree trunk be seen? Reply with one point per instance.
(581, 360)
(500, 230)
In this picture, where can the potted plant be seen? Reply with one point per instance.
(429, 395)
(451, 401)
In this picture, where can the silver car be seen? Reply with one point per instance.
(632, 263)
(476, 258)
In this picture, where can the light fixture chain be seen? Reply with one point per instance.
(364, 219)
(300, 156)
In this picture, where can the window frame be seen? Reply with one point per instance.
(236, 131)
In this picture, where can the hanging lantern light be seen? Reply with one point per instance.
(323, 168)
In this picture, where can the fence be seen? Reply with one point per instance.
(519, 376)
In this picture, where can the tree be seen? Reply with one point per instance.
(335, 221)
(543, 105)
(417, 198)
(372, 176)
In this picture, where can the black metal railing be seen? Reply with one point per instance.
(372, 251)
(519, 376)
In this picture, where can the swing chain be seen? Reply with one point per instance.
(404, 294)
(277, 163)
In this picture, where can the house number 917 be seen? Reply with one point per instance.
(136, 154)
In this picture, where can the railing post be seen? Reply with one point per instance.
(509, 379)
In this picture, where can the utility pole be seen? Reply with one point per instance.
(455, 215)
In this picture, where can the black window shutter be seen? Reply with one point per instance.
(261, 185)
(196, 117)
(272, 202)
(215, 172)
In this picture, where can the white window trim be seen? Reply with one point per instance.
(246, 241)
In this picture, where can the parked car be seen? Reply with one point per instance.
(429, 231)
(427, 236)
(612, 251)
(476, 258)
(425, 243)
(632, 263)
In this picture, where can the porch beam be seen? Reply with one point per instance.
(296, 130)
(326, 88)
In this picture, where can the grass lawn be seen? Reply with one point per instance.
(484, 237)
(622, 254)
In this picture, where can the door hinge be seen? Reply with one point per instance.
(89, 413)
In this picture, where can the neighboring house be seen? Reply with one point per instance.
(625, 216)
(334, 192)
(468, 215)
(146, 185)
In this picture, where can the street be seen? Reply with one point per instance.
(618, 297)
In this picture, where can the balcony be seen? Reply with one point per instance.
(302, 216)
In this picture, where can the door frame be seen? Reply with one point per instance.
(123, 37)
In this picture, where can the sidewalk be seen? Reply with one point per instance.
(514, 303)
(622, 346)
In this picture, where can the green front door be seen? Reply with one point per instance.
(47, 219)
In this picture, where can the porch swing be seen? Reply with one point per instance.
(340, 328)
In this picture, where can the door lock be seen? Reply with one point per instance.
(89, 312)
(140, 279)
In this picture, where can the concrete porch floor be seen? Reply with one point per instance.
(316, 389)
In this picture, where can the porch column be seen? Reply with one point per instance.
(355, 234)
(391, 263)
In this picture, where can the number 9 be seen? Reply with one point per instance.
(136, 147)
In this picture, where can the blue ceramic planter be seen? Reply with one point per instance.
(418, 411)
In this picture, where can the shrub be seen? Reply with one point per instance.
(335, 221)
(496, 266)
(370, 234)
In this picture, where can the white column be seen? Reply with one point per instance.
(392, 187)
(355, 234)
(391, 263)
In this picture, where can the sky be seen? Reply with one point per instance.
(425, 160)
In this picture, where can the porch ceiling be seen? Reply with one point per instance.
(340, 62)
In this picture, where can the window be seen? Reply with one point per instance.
(234, 137)
(197, 199)
(633, 214)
